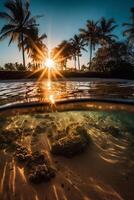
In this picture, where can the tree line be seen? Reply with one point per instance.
(106, 51)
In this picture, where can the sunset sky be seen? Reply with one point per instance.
(62, 19)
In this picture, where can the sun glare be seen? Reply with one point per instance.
(49, 85)
(49, 63)
(51, 99)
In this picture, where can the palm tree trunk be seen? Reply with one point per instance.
(65, 64)
(79, 63)
(90, 61)
(75, 63)
(23, 51)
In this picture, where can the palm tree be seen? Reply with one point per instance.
(90, 36)
(73, 52)
(106, 27)
(35, 47)
(130, 30)
(19, 22)
(77, 44)
(62, 53)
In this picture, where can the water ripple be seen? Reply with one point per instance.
(12, 91)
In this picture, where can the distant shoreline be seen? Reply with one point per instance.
(80, 79)
(16, 75)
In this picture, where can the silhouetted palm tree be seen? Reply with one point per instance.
(62, 53)
(77, 44)
(19, 22)
(90, 35)
(106, 28)
(130, 29)
(35, 47)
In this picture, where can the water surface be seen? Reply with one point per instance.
(32, 91)
(103, 171)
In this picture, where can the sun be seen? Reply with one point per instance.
(49, 63)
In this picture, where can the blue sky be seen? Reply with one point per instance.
(62, 19)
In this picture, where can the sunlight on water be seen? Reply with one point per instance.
(24, 91)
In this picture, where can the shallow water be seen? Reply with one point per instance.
(103, 171)
(31, 91)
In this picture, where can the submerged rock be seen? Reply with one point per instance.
(40, 128)
(114, 131)
(7, 137)
(36, 158)
(22, 154)
(39, 168)
(83, 133)
(41, 173)
(13, 146)
(72, 144)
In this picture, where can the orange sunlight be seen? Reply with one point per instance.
(49, 63)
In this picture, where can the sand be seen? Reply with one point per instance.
(105, 171)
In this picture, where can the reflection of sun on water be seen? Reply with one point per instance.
(48, 91)
(49, 84)
(51, 99)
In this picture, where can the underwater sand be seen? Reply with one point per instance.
(104, 171)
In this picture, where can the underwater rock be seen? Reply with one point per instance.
(72, 144)
(83, 133)
(27, 131)
(3, 146)
(13, 146)
(49, 135)
(22, 154)
(41, 173)
(40, 128)
(36, 158)
(114, 131)
(2, 138)
(38, 168)
(59, 135)
(8, 137)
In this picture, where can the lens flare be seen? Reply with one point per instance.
(49, 63)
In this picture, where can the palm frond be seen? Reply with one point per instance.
(7, 27)
(10, 40)
(5, 35)
(6, 16)
(11, 7)
(43, 36)
(127, 24)
(112, 28)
